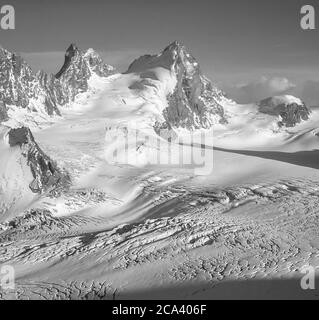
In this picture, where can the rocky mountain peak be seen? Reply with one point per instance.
(72, 50)
(78, 68)
(20, 86)
(176, 48)
(290, 109)
(86, 62)
(194, 103)
(70, 53)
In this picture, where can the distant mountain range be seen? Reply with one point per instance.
(193, 102)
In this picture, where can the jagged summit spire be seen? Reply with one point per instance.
(71, 51)
(175, 45)
(82, 63)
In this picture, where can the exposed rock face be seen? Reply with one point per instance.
(77, 69)
(54, 94)
(291, 109)
(195, 102)
(47, 176)
(20, 87)
(3, 112)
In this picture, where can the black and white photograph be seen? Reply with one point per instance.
(159, 150)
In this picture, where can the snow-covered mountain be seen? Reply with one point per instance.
(100, 197)
(78, 68)
(25, 94)
(22, 88)
(192, 101)
(290, 109)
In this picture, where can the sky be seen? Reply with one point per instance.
(249, 48)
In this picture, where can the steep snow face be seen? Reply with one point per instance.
(192, 101)
(78, 68)
(20, 87)
(26, 171)
(290, 109)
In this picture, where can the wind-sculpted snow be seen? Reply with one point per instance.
(247, 232)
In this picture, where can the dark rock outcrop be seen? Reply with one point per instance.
(290, 109)
(47, 176)
(3, 112)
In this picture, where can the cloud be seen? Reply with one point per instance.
(259, 89)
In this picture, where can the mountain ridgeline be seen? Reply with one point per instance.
(42, 92)
(192, 102)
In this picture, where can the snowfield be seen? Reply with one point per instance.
(134, 229)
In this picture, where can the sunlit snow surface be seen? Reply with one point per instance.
(160, 231)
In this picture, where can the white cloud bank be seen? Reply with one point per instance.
(259, 89)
